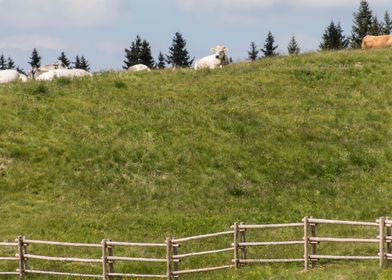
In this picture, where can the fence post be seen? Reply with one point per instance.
(169, 247)
(21, 256)
(176, 263)
(382, 241)
(306, 254)
(104, 259)
(313, 231)
(243, 240)
(235, 245)
(110, 262)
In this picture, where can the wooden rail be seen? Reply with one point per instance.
(171, 248)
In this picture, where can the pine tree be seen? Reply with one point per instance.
(84, 64)
(10, 63)
(269, 48)
(375, 27)
(3, 62)
(293, 47)
(21, 70)
(132, 55)
(387, 24)
(333, 38)
(35, 59)
(362, 24)
(253, 52)
(64, 59)
(77, 63)
(145, 54)
(178, 54)
(161, 61)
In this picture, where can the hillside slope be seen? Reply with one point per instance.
(139, 157)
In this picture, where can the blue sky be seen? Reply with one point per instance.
(101, 29)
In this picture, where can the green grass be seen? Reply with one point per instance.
(139, 157)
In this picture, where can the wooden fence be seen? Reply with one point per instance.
(172, 247)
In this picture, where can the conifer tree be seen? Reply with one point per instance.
(64, 59)
(35, 59)
(178, 54)
(333, 38)
(253, 52)
(84, 64)
(3, 62)
(293, 47)
(161, 61)
(375, 27)
(21, 71)
(269, 48)
(132, 55)
(77, 63)
(10, 63)
(387, 24)
(362, 24)
(145, 55)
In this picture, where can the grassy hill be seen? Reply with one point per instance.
(138, 157)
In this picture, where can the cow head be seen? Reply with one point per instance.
(220, 52)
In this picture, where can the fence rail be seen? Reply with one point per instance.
(237, 247)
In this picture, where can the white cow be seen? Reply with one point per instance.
(138, 68)
(66, 73)
(7, 76)
(218, 59)
(37, 71)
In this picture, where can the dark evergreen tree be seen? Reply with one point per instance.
(375, 27)
(64, 59)
(35, 59)
(145, 55)
(253, 52)
(161, 61)
(178, 54)
(3, 62)
(387, 24)
(21, 71)
(362, 24)
(77, 63)
(269, 48)
(132, 55)
(333, 38)
(84, 64)
(10, 63)
(293, 47)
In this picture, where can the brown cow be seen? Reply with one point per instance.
(373, 42)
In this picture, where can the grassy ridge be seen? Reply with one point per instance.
(139, 157)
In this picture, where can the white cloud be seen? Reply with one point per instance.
(27, 42)
(60, 13)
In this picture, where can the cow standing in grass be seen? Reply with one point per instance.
(375, 42)
(218, 59)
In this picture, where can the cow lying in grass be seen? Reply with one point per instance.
(138, 68)
(66, 73)
(374, 42)
(7, 76)
(218, 59)
(37, 71)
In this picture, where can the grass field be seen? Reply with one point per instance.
(139, 157)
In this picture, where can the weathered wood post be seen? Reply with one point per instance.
(104, 259)
(382, 241)
(235, 246)
(243, 240)
(25, 252)
(313, 246)
(169, 247)
(306, 254)
(110, 262)
(21, 255)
